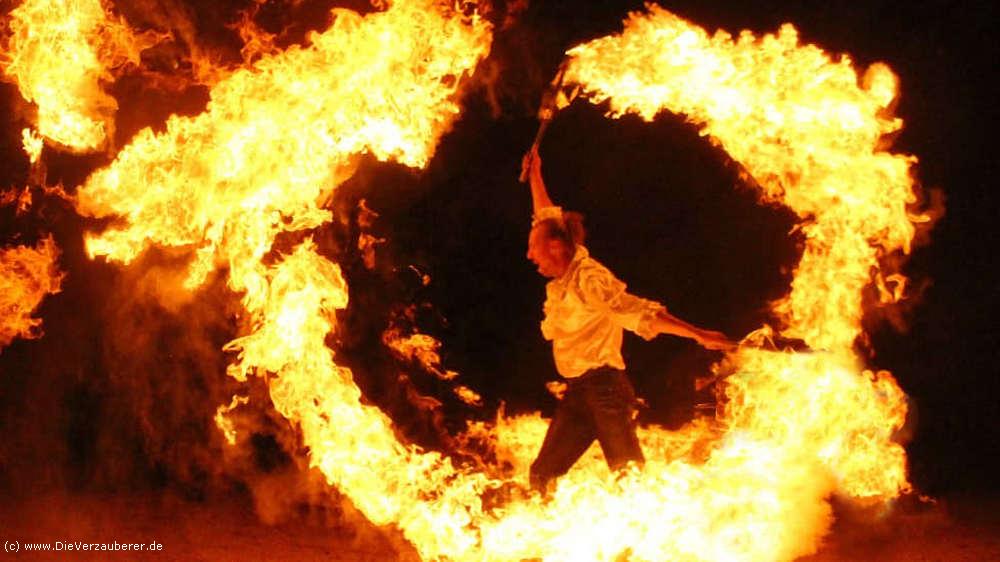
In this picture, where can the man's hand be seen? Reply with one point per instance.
(531, 172)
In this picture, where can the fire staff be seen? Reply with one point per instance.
(586, 308)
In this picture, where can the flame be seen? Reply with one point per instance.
(59, 53)
(367, 243)
(420, 348)
(21, 198)
(222, 420)
(32, 144)
(280, 135)
(469, 396)
(801, 125)
(27, 275)
(353, 444)
(844, 416)
(274, 142)
(423, 350)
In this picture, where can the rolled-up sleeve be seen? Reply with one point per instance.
(601, 289)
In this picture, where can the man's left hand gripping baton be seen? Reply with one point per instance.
(553, 99)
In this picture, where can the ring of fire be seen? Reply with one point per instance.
(281, 133)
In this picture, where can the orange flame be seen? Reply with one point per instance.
(275, 141)
(26, 276)
(223, 421)
(802, 126)
(20, 198)
(420, 348)
(59, 53)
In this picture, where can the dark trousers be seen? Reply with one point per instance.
(597, 405)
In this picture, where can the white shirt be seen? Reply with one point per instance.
(585, 311)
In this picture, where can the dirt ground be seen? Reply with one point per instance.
(959, 528)
(191, 531)
(955, 529)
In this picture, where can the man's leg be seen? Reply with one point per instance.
(612, 400)
(568, 437)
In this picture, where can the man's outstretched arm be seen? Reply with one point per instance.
(665, 323)
(600, 288)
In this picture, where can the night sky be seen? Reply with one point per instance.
(664, 210)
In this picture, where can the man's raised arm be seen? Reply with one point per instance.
(532, 162)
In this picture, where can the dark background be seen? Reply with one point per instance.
(664, 210)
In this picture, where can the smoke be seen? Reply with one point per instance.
(512, 77)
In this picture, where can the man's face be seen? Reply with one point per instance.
(550, 255)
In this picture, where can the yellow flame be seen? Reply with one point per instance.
(841, 415)
(802, 125)
(59, 53)
(280, 135)
(32, 144)
(27, 275)
(275, 141)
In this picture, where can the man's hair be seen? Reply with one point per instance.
(569, 230)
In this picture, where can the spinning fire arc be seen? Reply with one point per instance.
(281, 133)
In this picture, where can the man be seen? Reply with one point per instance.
(586, 308)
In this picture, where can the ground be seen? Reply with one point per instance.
(958, 528)
(955, 529)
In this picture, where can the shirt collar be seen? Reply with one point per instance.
(578, 257)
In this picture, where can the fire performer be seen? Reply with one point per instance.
(586, 308)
